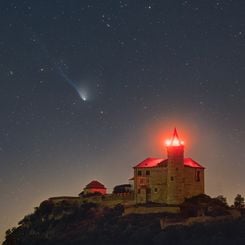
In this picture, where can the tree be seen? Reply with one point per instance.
(222, 199)
(239, 201)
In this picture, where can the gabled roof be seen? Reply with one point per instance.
(157, 162)
(95, 184)
(149, 162)
(189, 162)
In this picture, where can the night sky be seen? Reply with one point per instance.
(90, 88)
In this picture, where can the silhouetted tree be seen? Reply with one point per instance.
(239, 201)
(45, 208)
(203, 204)
(222, 199)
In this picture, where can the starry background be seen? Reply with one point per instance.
(144, 67)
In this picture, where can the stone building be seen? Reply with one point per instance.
(169, 180)
(94, 187)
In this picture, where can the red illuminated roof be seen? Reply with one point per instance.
(188, 162)
(156, 162)
(95, 184)
(149, 163)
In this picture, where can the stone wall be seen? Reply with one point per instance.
(148, 210)
(158, 184)
(192, 187)
(175, 182)
(109, 200)
(75, 200)
(95, 190)
(151, 187)
(161, 185)
(165, 222)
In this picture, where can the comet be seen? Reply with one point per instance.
(82, 92)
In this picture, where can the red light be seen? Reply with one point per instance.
(175, 141)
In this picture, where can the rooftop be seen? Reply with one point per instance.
(175, 140)
(95, 184)
(157, 162)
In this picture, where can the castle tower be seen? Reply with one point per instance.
(175, 178)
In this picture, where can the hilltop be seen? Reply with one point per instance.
(201, 220)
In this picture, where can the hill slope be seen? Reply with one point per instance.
(91, 223)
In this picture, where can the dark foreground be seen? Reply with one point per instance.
(93, 224)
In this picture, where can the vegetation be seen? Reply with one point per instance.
(239, 201)
(204, 205)
(90, 223)
(222, 199)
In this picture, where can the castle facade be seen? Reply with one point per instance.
(170, 180)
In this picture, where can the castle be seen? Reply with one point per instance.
(170, 180)
(156, 180)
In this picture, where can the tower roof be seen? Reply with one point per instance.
(95, 184)
(175, 140)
